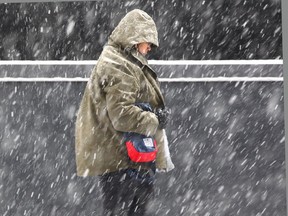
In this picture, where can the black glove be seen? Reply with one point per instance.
(163, 117)
(144, 106)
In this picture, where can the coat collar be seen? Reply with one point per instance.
(143, 63)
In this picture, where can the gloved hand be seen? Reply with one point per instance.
(163, 117)
(144, 106)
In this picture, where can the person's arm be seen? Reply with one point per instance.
(121, 90)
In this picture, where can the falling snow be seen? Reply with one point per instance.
(187, 29)
(226, 138)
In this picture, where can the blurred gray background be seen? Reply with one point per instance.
(226, 138)
(198, 29)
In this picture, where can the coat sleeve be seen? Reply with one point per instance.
(121, 88)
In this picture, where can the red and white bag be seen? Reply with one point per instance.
(140, 148)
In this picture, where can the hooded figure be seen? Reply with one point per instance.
(120, 79)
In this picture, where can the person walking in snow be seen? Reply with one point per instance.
(121, 79)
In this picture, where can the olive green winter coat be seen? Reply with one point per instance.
(120, 79)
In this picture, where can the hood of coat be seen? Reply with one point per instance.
(136, 27)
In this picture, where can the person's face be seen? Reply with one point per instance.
(144, 48)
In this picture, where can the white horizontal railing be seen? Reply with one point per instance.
(152, 62)
(186, 79)
(217, 62)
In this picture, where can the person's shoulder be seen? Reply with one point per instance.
(111, 52)
(115, 56)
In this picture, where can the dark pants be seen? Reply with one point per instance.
(123, 194)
